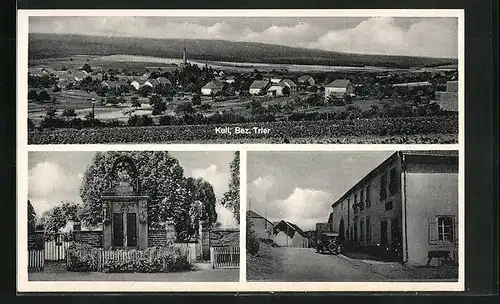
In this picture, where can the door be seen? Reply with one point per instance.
(395, 235)
(118, 229)
(341, 231)
(131, 230)
(383, 233)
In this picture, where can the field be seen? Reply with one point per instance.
(436, 130)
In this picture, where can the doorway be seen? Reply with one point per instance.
(124, 232)
(383, 233)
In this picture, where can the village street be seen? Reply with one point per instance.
(305, 265)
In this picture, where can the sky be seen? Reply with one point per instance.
(300, 187)
(56, 176)
(412, 36)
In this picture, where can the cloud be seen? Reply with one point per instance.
(428, 37)
(435, 37)
(304, 207)
(218, 179)
(49, 184)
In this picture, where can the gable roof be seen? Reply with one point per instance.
(213, 85)
(338, 83)
(251, 213)
(288, 82)
(163, 80)
(291, 228)
(275, 86)
(259, 84)
(304, 78)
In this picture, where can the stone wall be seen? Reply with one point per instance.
(225, 237)
(92, 238)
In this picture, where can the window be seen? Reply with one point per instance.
(368, 202)
(361, 230)
(388, 206)
(445, 229)
(393, 183)
(355, 204)
(362, 199)
(368, 229)
(383, 186)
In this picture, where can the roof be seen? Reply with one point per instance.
(412, 84)
(213, 85)
(289, 225)
(394, 156)
(275, 86)
(288, 82)
(338, 83)
(163, 80)
(153, 82)
(304, 78)
(251, 213)
(259, 84)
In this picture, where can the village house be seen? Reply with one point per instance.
(261, 226)
(290, 84)
(135, 84)
(448, 100)
(405, 209)
(339, 88)
(259, 87)
(276, 89)
(151, 82)
(306, 80)
(276, 79)
(211, 88)
(164, 81)
(229, 79)
(286, 234)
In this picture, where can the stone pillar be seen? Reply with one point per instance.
(142, 233)
(199, 252)
(107, 237)
(169, 226)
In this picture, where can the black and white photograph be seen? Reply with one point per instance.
(153, 216)
(353, 216)
(277, 78)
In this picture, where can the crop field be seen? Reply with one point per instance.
(380, 130)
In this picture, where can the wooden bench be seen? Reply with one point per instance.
(438, 254)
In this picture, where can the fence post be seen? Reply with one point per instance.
(212, 257)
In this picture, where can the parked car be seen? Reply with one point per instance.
(329, 242)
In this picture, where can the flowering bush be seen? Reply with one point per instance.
(82, 257)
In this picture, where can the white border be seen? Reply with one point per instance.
(24, 285)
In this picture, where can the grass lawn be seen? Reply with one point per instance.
(264, 264)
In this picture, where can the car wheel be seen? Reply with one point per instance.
(332, 248)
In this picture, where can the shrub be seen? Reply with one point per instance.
(82, 257)
(252, 243)
(149, 260)
(32, 95)
(69, 112)
(43, 96)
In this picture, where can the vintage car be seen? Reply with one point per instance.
(329, 242)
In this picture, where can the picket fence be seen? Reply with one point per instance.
(56, 251)
(225, 257)
(36, 259)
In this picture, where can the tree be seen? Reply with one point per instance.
(58, 216)
(51, 112)
(196, 100)
(86, 67)
(158, 104)
(185, 108)
(135, 102)
(252, 243)
(161, 178)
(144, 91)
(43, 96)
(31, 219)
(32, 95)
(69, 112)
(231, 199)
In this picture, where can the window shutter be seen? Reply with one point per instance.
(432, 231)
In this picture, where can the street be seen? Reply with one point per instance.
(305, 265)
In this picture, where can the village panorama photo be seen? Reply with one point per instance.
(152, 216)
(295, 78)
(379, 216)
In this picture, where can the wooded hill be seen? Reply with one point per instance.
(54, 45)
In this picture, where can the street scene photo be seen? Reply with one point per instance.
(352, 216)
(133, 216)
(228, 79)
